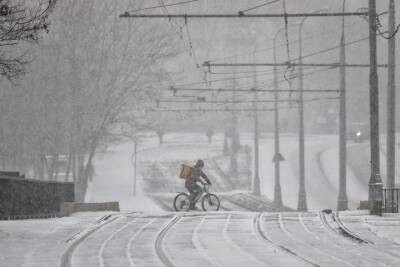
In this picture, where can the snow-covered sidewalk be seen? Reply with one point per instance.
(40, 242)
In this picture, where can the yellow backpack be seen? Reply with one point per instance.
(185, 171)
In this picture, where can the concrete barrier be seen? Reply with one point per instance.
(25, 198)
(68, 208)
(364, 205)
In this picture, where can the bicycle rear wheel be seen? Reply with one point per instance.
(210, 202)
(182, 202)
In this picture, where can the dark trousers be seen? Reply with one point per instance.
(195, 190)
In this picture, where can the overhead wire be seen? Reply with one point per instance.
(164, 5)
(382, 34)
(283, 44)
(256, 7)
(269, 71)
(189, 49)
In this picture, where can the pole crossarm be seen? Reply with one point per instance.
(241, 101)
(289, 64)
(242, 15)
(252, 90)
(224, 101)
(220, 110)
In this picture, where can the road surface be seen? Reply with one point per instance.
(230, 239)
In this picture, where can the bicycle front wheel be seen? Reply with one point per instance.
(210, 202)
(182, 202)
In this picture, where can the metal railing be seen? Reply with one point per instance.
(391, 200)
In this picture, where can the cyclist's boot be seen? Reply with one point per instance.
(191, 206)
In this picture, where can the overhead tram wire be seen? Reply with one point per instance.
(270, 86)
(259, 6)
(283, 43)
(305, 56)
(189, 49)
(267, 73)
(164, 5)
(279, 82)
(253, 16)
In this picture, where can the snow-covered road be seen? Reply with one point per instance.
(232, 239)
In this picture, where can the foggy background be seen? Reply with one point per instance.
(95, 78)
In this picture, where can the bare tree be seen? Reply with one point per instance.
(20, 21)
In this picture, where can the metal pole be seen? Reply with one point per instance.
(302, 197)
(375, 183)
(134, 171)
(277, 157)
(235, 139)
(391, 100)
(342, 198)
(256, 181)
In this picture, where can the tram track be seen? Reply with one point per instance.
(162, 255)
(264, 236)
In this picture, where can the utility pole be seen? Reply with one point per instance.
(277, 157)
(391, 99)
(256, 180)
(342, 198)
(375, 182)
(302, 197)
(235, 138)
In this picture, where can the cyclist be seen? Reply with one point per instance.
(191, 182)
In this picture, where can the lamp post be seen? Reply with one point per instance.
(256, 180)
(391, 100)
(375, 182)
(342, 198)
(277, 155)
(302, 198)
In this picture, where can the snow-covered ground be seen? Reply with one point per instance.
(41, 243)
(116, 183)
(197, 239)
(144, 235)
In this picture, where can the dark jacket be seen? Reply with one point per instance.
(194, 177)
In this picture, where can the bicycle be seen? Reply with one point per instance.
(209, 201)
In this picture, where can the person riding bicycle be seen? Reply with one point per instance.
(191, 182)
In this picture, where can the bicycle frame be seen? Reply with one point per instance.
(203, 194)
